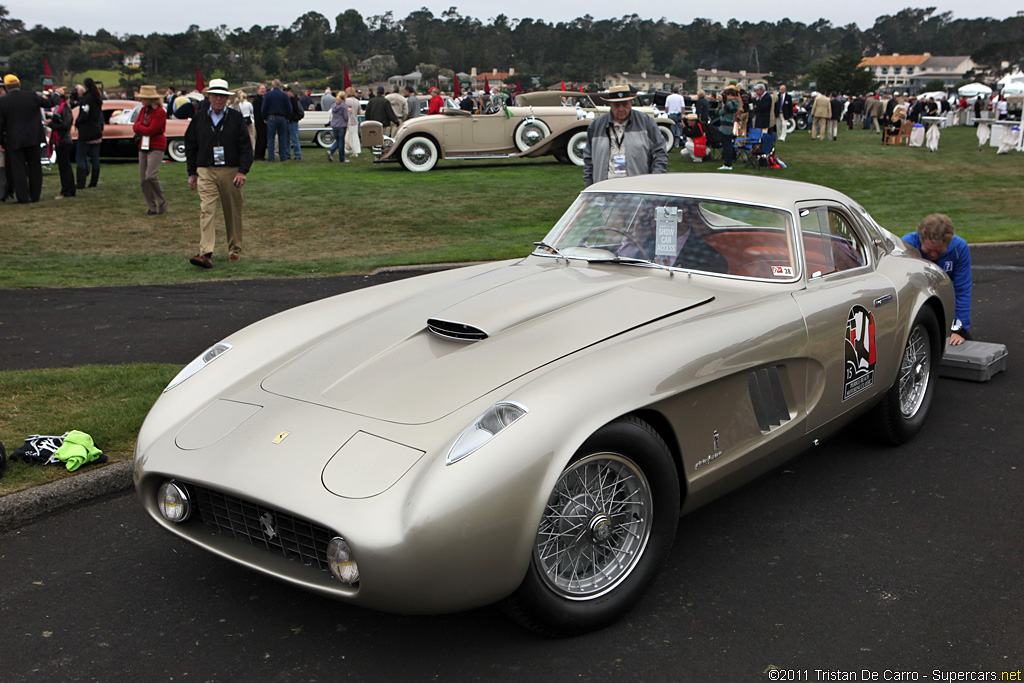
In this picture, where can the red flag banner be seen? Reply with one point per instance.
(458, 89)
(348, 82)
(519, 88)
(563, 84)
(200, 86)
(487, 86)
(46, 68)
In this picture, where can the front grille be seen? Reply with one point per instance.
(276, 532)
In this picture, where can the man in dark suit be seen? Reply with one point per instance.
(21, 133)
(762, 107)
(783, 112)
(260, 153)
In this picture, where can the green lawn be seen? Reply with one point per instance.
(314, 218)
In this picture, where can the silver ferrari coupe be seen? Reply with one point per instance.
(529, 432)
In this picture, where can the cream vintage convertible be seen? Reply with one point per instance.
(529, 432)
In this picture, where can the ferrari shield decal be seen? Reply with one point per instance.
(860, 351)
(280, 437)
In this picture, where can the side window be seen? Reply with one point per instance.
(830, 243)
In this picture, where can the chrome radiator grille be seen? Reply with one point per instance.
(261, 527)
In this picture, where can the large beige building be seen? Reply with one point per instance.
(644, 81)
(714, 80)
(911, 72)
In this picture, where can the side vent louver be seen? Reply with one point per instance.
(455, 331)
(768, 399)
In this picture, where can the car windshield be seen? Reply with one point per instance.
(673, 231)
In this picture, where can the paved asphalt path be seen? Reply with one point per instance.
(852, 557)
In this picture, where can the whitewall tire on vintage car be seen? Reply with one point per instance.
(577, 147)
(790, 125)
(529, 132)
(324, 138)
(419, 154)
(905, 406)
(607, 528)
(670, 140)
(176, 150)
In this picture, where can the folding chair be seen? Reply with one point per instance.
(744, 145)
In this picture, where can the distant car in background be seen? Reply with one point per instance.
(118, 136)
(648, 103)
(511, 132)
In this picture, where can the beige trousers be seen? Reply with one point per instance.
(820, 130)
(149, 169)
(217, 182)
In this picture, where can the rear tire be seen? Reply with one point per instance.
(529, 133)
(670, 140)
(577, 147)
(905, 406)
(606, 530)
(176, 150)
(324, 138)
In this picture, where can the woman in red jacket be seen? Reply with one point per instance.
(150, 126)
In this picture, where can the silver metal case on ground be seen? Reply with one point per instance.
(974, 361)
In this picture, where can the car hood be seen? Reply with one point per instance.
(390, 366)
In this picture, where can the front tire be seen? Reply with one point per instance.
(419, 154)
(905, 406)
(529, 133)
(790, 126)
(607, 527)
(176, 150)
(324, 138)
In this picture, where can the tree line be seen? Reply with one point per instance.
(316, 50)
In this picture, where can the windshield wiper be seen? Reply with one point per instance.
(551, 249)
(632, 260)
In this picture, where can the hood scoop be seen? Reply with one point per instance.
(449, 329)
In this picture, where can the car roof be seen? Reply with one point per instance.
(741, 188)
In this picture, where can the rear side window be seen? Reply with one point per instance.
(831, 245)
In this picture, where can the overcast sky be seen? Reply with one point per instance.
(175, 16)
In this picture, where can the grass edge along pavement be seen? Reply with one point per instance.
(997, 175)
(312, 218)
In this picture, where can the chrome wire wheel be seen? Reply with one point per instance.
(420, 153)
(595, 527)
(915, 372)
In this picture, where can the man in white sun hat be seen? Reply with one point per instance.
(219, 156)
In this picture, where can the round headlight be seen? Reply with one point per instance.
(341, 561)
(173, 502)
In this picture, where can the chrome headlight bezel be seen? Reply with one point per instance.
(201, 361)
(492, 422)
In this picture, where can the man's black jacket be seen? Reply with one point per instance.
(21, 124)
(201, 137)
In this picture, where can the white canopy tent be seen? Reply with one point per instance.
(974, 89)
(1015, 89)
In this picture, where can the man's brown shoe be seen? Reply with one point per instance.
(234, 257)
(201, 260)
